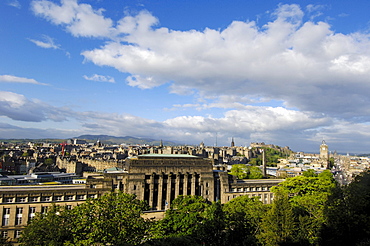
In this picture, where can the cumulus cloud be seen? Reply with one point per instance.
(79, 19)
(317, 77)
(15, 79)
(18, 107)
(100, 78)
(277, 125)
(47, 43)
(298, 62)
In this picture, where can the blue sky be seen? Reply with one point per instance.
(290, 73)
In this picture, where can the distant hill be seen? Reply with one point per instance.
(106, 139)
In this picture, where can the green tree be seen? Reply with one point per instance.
(278, 225)
(309, 173)
(309, 196)
(242, 171)
(51, 228)
(239, 170)
(213, 229)
(113, 219)
(243, 216)
(348, 214)
(254, 173)
(184, 218)
(192, 219)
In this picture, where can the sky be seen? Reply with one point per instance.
(289, 73)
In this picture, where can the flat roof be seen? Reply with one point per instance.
(260, 181)
(41, 187)
(166, 156)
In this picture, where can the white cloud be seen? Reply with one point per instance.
(100, 78)
(14, 79)
(250, 124)
(18, 107)
(79, 19)
(303, 65)
(14, 3)
(285, 59)
(48, 43)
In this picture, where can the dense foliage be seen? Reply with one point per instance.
(307, 210)
(242, 171)
(271, 156)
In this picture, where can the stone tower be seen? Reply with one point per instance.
(324, 151)
(232, 142)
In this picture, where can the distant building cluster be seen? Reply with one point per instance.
(70, 173)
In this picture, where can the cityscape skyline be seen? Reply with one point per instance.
(289, 74)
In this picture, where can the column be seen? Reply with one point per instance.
(177, 185)
(160, 191)
(193, 178)
(186, 180)
(151, 190)
(168, 196)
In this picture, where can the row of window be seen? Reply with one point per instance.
(19, 214)
(246, 189)
(263, 197)
(47, 198)
(17, 234)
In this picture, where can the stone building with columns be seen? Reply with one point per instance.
(155, 178)
(160, 178)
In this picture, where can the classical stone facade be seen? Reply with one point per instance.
(155, 178)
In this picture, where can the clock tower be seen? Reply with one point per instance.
(324, 151)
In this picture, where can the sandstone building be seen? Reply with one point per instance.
(155, 178)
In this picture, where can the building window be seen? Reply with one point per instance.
(31, 213)
(5, 220)
(45, 198)
(32, 210)
(93, 186)
(8, 199)
(17, 233)
(34, 199)
(19, 211)
(68, 207)
(69, 198)
(21, 199)
(92, 196)
(44, 209)
(4, 234)
(19, 214)
(57, 198)
(6, 214)
(80, 197)
(18, 220)
(134, 187)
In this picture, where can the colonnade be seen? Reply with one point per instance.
(161, 189)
